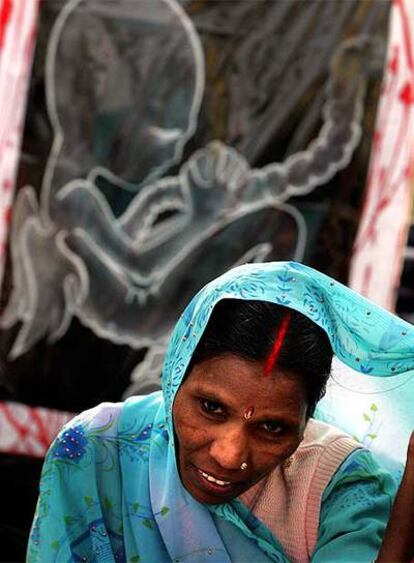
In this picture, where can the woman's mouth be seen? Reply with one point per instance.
(214, 485)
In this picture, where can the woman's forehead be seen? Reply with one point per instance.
(239, 382)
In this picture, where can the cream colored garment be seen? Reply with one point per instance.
(289, 500)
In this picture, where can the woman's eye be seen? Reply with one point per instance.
(211, 407)
(272, 427)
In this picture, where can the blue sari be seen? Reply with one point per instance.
(110, 489)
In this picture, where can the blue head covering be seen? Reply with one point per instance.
(155, 518)
(363, 336)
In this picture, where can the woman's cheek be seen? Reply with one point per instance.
(201, 436)
(274, 456)
(192, 435)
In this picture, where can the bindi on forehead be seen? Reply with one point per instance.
(249, 412)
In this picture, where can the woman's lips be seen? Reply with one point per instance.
(209, 483)
(213, 479)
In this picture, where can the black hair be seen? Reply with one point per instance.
(248, 328)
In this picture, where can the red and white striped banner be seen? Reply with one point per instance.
(18, 20)
(378, 253)
(29, 430)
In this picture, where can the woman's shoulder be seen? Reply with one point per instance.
(320, 433)
(104, 424)
(108, 415)
(353, 460)
(321, 452)
(361, 467)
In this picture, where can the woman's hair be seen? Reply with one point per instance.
(263, 331)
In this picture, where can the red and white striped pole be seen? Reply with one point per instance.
(379, 248)
(18, 19)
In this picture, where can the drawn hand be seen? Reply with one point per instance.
(215, 176)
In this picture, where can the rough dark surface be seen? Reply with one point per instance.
(19, 477)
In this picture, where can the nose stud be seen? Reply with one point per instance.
(243, 466)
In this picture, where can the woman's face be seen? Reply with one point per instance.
(217, 431)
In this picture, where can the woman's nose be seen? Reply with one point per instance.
(229, 448)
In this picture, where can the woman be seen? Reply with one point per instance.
(226, 464)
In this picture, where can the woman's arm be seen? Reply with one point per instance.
(398, 544)
(77, 489)
(354, 513)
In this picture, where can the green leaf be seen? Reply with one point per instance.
(88, 500)
(147, 523)
(68, 520)
(374, 407)
(55, 544)
(135, 559)
(355, 438)
(135, 506)
(372, 436)
(107, 503)
(164, 510)
(103, 428)
(366, 417)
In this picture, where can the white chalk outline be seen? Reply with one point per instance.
(172, 193)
